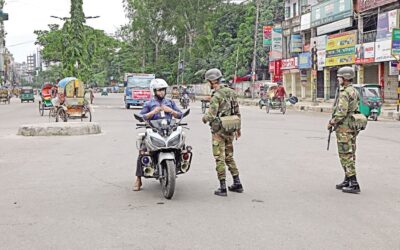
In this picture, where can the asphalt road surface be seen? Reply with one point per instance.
(76, 192)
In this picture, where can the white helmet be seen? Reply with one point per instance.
(158, 83)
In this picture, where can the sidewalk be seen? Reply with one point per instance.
(389, 110)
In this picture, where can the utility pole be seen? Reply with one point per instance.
(253, 73)
(3, 17)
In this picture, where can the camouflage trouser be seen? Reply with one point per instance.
(222, 146)
(346, 142)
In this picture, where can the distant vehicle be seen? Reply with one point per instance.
(27, 94)
(104, 91)
(137, 90)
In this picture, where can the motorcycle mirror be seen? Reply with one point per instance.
(138, 117)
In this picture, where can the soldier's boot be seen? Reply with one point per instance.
(138, 184)
(353, 186)
(221, 191)
(345, 183)
(237, 186)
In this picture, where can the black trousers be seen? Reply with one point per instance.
(139, 168)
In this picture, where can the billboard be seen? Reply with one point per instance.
(330, 11)
(383, 51)
(340, 49)
(387, 21)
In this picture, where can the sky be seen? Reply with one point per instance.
(25, 16)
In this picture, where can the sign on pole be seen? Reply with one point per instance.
(267, 38)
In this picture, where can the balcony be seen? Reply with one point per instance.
(369, 36)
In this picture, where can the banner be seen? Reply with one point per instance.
(387, 21)
(365, 53)
(320, 42)
(276, 49)
(296, 44)
(267, 31)
(340, 49)
(321, 57)
(383, 51)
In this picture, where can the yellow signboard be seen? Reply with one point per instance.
(340, 60)
(342, 40)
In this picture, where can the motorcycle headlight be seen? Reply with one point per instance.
(174, 141)
(157, 142)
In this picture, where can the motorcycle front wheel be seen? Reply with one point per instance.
(168, 181)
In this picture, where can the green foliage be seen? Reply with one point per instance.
(205, 34)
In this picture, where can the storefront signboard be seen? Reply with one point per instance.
(290, 63)
(296, 44)
(330, 11)
(305, 60)
(383, 51)
(340, 48)
(365, 53)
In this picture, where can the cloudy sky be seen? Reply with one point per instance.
(25, 16)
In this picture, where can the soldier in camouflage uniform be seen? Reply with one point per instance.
(346, 137)
(222, 142)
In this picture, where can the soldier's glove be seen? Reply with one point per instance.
(238, 134)
(330, 125)
(204, 120)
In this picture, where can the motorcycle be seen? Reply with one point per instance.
(185, 101)
(163, 153)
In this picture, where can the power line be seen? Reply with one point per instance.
(18, 44)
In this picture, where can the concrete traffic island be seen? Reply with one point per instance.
(60, 129)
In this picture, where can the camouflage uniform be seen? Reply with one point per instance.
(222, 142)
(346, 138)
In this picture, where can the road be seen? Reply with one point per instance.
(76, 192)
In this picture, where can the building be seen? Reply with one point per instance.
(318, 37)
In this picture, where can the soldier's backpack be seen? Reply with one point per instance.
(231, 123)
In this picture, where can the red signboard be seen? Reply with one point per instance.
(275, 67)
(291, 63)
(364, 5)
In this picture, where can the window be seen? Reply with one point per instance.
(294, 9)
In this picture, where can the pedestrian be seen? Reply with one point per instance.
(154, 109)
(223, 103)
(347, 104)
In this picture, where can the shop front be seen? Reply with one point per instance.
(291, 76)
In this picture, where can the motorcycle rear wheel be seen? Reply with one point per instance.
(168, 182)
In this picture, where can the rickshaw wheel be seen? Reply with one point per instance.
(61, 115)
(41, 108)
(87, 114)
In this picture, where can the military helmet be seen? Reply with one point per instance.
(346, 72)
(213, 74)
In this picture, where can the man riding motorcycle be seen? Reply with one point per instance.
(157, 108)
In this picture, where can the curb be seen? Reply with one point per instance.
(59, 129)
(322, 109)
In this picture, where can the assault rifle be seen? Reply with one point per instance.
(333, 113)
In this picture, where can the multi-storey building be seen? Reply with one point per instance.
(335, 33)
